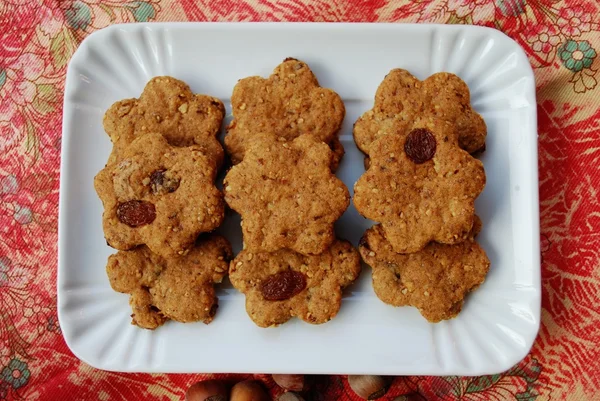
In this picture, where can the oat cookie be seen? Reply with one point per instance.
(179, 288)
(287, 195)
(435, 280)
(287, 104)
(159, 195)
(167, 106)
(284, 284)
(401, 98)
(421, 188)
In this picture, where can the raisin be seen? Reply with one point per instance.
(420, 145)
(282, 285)
(136, 213)
(161, 184)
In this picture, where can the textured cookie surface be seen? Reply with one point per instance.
(284, 284)
(401, 98)
(167, 106)
(286, 195)
(159, 195)
(287, 104)
(421, 188)
(435, 280)
(179, 288)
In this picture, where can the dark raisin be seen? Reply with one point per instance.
(161, 184)
(136, 213)
(282, 285)
(420, 145)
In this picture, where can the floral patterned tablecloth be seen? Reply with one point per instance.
(561, 37)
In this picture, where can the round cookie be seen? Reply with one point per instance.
(287, 195)
(167, 106)
(288, 104)
(284, 284)
(435, 280)
(421, 188)
(179, 288)
(401, 99)
(159, 195)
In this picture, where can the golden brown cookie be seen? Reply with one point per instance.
(167, 106)
(288, 104)
(284, 284)
(287, 195)
(421, 188)
(159, 195)
(180, 288)
(435, 280)
(401, 98)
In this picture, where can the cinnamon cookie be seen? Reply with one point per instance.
(421, 187)
(159, 195)
(401, 98)
(167, 106)
(284, 283)
(288, 104)
(435, 280)
(179, 288)
(287, 195)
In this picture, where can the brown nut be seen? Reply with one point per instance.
(290, 382)
(249, 390)
(207, 390)
(368, 387)
(290, 397)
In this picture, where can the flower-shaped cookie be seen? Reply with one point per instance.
(401, 99)
(283, 284)
(287, 104)
(179, 288)
(421, 187)
(435, 280)
(159, 195)
(167, 106)
(287, 195)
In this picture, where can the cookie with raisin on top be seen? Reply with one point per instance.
(421, 187)
(159, 195)
(285, 284)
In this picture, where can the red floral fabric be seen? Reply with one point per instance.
(561, 38)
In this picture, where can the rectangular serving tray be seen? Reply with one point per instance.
(500, 320)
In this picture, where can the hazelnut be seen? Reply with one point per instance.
(290, 397)
(290, 382)
(207, 390)
(249, 390)
(368, 387)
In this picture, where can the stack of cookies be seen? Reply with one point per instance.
(420, 186)
(160, 202)
(285, 146)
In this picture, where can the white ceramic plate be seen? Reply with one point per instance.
(500, 320)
